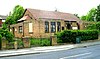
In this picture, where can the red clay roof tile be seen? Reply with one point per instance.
(52, 15)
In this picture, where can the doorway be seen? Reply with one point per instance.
(68, 25)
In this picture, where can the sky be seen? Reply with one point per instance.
(80, 7)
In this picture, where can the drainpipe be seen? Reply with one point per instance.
(39, 28)
(23, 28)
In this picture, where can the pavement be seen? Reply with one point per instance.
(36, 50)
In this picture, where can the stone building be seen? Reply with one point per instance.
(42, 24)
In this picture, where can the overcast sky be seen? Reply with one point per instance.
(80, 7)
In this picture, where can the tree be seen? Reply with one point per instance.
(95, 26)
(77, 15)
(16, 14)
(5, 33)
(83, 17)
(91, 15)
(98, 13)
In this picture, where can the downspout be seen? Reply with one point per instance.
(23, 28)
(39, 30)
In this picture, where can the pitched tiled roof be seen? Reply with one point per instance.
(52, 15)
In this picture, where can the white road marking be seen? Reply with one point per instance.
(76, 55)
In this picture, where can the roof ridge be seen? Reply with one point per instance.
(49, 11)
(51, 14)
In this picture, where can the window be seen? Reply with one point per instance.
(62, 28)
(53, 27)
(20, 29)
(58, 26)
(30, 27)
(46, 27)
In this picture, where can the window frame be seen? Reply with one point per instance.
(20, 29)
(58, 26)
(46, 27)
(30, 27)
(53, 27)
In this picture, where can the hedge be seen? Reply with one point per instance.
(68, 36)
(40, 41)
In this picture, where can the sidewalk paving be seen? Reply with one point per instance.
(35, 50)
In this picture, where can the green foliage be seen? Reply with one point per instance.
(10, 45)
(4, 32)
(20, 43)
(95, 26)
(40, 42)
(98, 13)
(10, 20)
(45, 42)
(16, 14)
(8, 35)
(4, 26)
(83, 17)
(91, 15)
(68, 36)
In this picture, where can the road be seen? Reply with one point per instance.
(91, 52)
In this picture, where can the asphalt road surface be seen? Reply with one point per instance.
(91, 52)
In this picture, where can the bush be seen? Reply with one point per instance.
(68, 36)
(8, 35)
(10, 45)
(40, 42)
(95, 26)
(20, 43)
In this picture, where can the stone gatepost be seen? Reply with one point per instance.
(53, 40)
(15, 43)
(4, 43)
(26, 42)
(98, 36)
